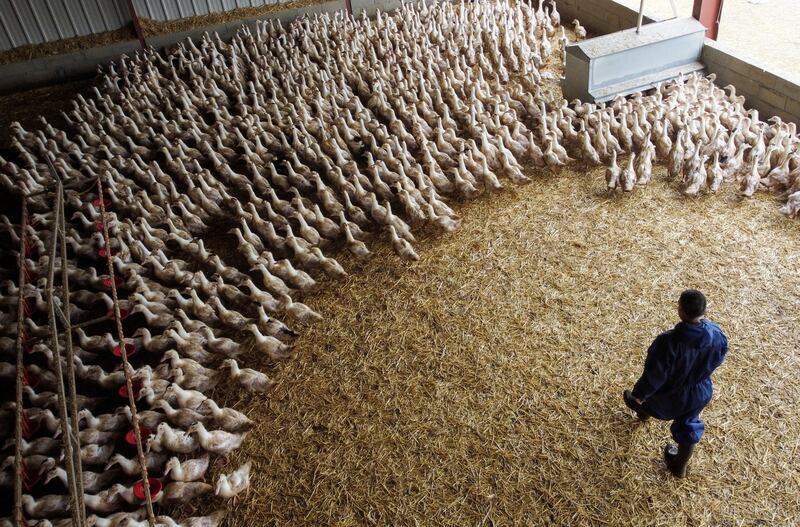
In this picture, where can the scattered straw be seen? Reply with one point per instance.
(67, 45)
(482, 385)
(157, 27)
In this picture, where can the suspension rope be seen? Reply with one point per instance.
(124, 354)
(19, 466)
(74, 428)
(69, 454)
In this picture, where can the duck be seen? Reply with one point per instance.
(48, 506)
(93, 482)
(191, 399)
(274, 327)
(251, 380)
(132, 468)
(227, 418)
(179, 492)
(212, 520)
(267, 344)
(401, 246)
(273, 284)
(218, 442)
(188, 470)
(229, 486)
(628, 175)
(613, 172)
(168, 439)
(580, 31)
(232, 319)
(716, 175)
(118, 519)
(298, 311)
(180, 417)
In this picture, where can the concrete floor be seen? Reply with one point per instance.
(762, 30)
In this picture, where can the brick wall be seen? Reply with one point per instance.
(770, 92)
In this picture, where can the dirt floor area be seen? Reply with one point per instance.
(482, 385)
(27, 106)
(763, 30)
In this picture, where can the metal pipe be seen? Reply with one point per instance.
(641, 15)
(674, 9)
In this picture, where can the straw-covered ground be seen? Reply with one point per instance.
(482, 385)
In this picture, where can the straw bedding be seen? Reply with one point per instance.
(482, 386)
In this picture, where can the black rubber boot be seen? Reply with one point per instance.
(677, 458)
(631, 403)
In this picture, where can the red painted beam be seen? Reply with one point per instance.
(136, 26)
(708, 12)
(348, 7)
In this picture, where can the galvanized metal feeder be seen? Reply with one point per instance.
(601, 68)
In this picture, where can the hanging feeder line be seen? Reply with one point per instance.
(19, 472)
(124, 354)
(69, 437)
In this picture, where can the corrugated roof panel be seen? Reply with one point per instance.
(50, 26)
(80, 16)
(186, 9)
(24, 18)
(9, 26)
(6, 40)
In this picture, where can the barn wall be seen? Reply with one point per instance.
(82, 64)
(768, 91)
(25, 22)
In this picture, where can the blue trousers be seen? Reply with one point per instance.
(686, 429)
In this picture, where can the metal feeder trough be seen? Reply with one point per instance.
(601, 68)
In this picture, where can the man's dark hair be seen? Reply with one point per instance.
(693, 303)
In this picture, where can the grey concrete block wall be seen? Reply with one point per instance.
(771, 93)
(600, 16)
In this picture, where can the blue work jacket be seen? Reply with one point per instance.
(677, 372)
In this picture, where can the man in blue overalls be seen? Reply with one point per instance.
(676, 383)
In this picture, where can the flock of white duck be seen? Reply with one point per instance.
(328, 133)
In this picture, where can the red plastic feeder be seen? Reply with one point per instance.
(96, 202)
(123, 390)
(107, 281)
(130, 438)
(155, 488)
(104, 253)
(123, 314)
(130, 349)
(98, 226)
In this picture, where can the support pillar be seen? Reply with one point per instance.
(708, 12)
